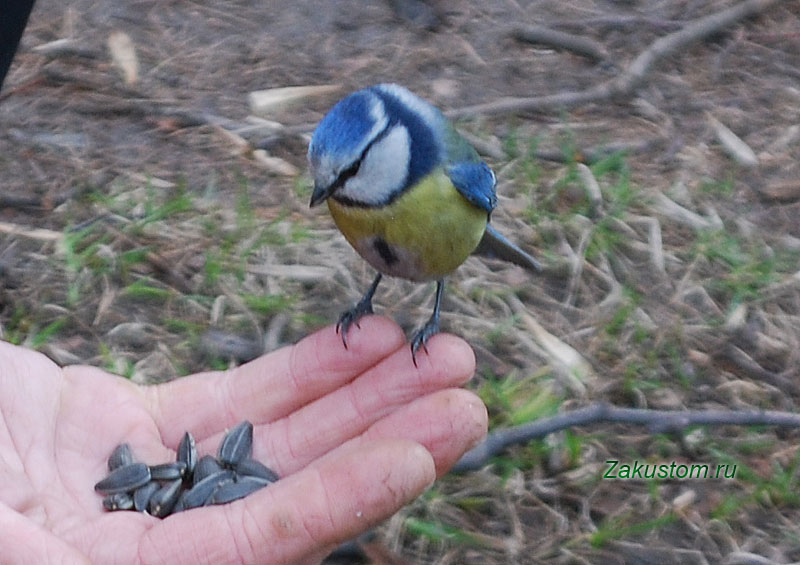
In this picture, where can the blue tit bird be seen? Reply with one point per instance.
(409, 193)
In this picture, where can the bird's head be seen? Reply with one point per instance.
(361, 151)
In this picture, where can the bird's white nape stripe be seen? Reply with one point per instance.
(383, 171)
(426, 111)
(378, 114)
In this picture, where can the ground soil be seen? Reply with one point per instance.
(679, 288)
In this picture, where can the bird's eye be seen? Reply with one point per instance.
(352, 170)
(347, 174)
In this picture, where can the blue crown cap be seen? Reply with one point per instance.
(345, 130)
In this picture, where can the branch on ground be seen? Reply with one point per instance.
(657, 421)
(577, 44)
(633, 76)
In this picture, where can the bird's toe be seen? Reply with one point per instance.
(421, 338)
(351, 317)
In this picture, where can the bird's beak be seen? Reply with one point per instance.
(321, 193)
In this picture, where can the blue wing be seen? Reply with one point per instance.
(475, 181)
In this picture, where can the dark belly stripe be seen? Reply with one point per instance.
(385, 251)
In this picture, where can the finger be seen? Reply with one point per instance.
(295, 518)
(447, 423)
(293, 442)
(272, 385)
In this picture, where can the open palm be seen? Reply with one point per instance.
(354, 433)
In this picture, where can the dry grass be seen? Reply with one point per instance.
(672, 269)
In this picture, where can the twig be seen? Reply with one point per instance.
(664, 206)
(182, 117)
(654, 240)
(707, 26)
(561, 40)
(592, 155)
(736, 361)
(302, 273)
(34, 202)
(576, 265)
(418, 14)
(533, 104)
(64, 47)
(617, 22)
(658, 421)
(39, 234)
(633, 76)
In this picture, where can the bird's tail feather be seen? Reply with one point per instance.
(496, 246)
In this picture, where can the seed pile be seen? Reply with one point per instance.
(188, 482)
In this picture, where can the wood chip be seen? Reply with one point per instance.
(685, 499)
(273, 100)
(106, 300)
(120, 46)
(786, 191)
(592, 188)
(302, 273)
(675, 212)
(561, 355)
(733, 144)
(577, 44)
(40, 234)
(275, 164)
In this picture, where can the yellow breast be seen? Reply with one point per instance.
(424, 234)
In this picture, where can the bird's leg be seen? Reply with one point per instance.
(362, 308)
(431, 327)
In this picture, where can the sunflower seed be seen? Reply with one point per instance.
(179, 506)
(165, 488)
(187, 452)
(118, 501)
(207, 465)
(229, 492)
(124, 479)
(237, 444)
(251, 479)
(164, 499)
(202, 490)
(252, 468)
(121, 456)
(143, 494)
(168, 471)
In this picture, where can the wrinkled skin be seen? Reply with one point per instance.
(354, 433)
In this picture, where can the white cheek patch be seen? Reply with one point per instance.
(383, 171)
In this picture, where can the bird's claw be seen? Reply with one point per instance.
(352, 316)
(422, 336)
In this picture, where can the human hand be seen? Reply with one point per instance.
(354, 433)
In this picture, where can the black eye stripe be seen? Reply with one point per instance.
(347, 174)
(352, 170)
